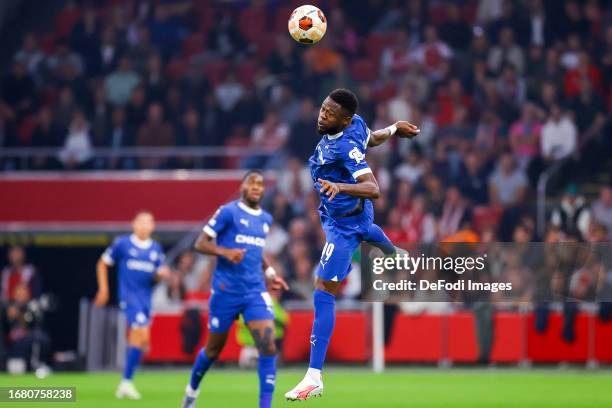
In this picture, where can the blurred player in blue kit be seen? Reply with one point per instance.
(236, 235)
(140, 264)
(346, 187)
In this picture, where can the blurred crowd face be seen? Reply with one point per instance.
(143, 225)
(605, 195)
(16, 256)
(21, 294)
(156, 113)
(507, 163)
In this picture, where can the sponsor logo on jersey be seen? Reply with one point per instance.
(266, 228)
(244, 222)
(251, 240)
(356, 155)
(137, 265)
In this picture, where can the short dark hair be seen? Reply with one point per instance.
(252, 171)
(346, 99)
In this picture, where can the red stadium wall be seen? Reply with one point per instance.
(92, 200)
(418, 339)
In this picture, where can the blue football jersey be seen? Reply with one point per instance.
(341, 158)
(137, 263)
(236, 225)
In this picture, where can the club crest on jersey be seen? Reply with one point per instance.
(133, 252)
(356, 155)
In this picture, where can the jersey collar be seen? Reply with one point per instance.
(248, 209)
(140, 243)
(335, 136)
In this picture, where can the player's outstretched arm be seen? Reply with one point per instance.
(366, 187)
(205, 244)
(400, 129)
(102, 277)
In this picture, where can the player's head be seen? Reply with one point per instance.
(252, 187)
(143, 224)
(336, 111)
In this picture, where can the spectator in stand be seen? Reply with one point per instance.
(64, 56)
(432, 55)
(472, 182)
(418, 223)
(302, 285)
(85, 39)
(77, 151)
(155, 81)
(141, 50)
(225, 39)
(136, 108)
(508, 184)
(301, 141)
(100, 114)
(120, 84)
(573, 215)
(559, 136)
(506, 53)
(402, 106)
(270, 136)
(285, 62)
(46, 133)
(229, 92)
(455, 31)
(18, 91)
(18, 272)
(585, 69)
(156, 131)
(455, 212)
(31, 56)
(525, 136)
(411, 169)
(587, 106)
(602, 208)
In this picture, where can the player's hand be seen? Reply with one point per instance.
(278, 283)
(164, 272)
(406, 129)
(330, 189)
(234, 255)
(101, 298)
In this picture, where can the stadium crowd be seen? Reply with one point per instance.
(501, 90)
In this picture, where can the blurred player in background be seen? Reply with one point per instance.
(236, 234)
(346, 187)
(139, 260)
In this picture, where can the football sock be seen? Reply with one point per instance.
(322, 327)
(200, 366)
(132, 360)
(266, 370)
(377, 237)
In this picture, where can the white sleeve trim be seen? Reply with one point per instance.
(368, 139)
(106, 258)
(210, 231)
(361, 172)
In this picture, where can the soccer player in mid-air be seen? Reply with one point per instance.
(236, 235)
(347, 187)
(139, 260)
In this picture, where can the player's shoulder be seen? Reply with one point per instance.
(228, 208)
(356, 133)
(123, 239)
(267, 217)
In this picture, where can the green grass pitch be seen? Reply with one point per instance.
(346, 387)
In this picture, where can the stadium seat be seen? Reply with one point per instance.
(246, 72)
(193, 45)
(252, 22)
(486, 217)
(281, 18)
(364, 70)
(216, 70)
(65, 21)
(26, 129)
(377, 42)
(176, 68)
